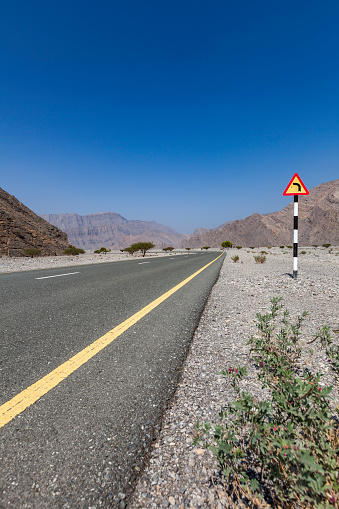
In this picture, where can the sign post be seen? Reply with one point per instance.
(295, 188)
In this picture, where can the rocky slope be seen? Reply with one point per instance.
(318, 223)
(112, 230)
(21, 229)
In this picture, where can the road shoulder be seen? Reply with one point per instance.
(179, 475)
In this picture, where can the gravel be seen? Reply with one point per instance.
(178, 475)
(10, 264)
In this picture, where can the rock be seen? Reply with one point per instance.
(318, 223)
(22, 229)
(112, 230)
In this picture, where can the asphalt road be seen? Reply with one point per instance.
(85, 441)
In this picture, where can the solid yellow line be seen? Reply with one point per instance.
(30, 395)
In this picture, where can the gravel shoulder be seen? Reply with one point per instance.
(9, 264)
(179, 475)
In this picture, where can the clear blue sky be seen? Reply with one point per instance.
(190, 113)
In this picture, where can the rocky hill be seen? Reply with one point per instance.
(112, 230)
(318, 223)
(21, 229)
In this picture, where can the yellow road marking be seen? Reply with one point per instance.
(27, 397)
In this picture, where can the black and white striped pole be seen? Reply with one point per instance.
(295, 238)
(295, 188)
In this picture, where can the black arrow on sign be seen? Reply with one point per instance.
(296, 184)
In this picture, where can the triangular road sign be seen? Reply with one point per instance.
(296, 186)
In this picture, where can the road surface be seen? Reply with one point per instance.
(83, 439)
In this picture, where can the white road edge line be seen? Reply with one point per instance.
(140, 263)
(58, 275)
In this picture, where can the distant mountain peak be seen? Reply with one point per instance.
(318, 223)
(112, 230)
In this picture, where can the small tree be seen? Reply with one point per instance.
(102, 250)
(188, 249)
(32, 252)
(72, 250)
(131, 250)
(169, 248)
(238, 247)
(206, 247)
(142, 246)
(227, 244)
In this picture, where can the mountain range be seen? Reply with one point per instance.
(21, 228)
(112, 230)
(318, 223)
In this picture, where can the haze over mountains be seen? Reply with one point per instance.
(318, 224)
(112, 230)
(21, 228)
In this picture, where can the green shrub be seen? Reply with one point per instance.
(283, 448)
(260, 258)
(131, 250)
(227, 244)
(315, 245)
(102, 250)
(238, 247)
(269, 247)
(32, 252)
(282, 247)
(263, 252)
(289, 247)
(169, 248)
(142, 246)
(302, 252)
(326, 245)
(188, 248)
(235, 258)
(205, 247)
(252, 247)
(72, 250)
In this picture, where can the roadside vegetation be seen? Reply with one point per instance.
(139, 246)
(102, 250)
(32, 252)
(261, 258)
(227, 244)
(72, 250)
(279, 450)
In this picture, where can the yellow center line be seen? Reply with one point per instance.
(27, 397)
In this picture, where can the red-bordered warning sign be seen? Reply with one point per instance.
(296, 186)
